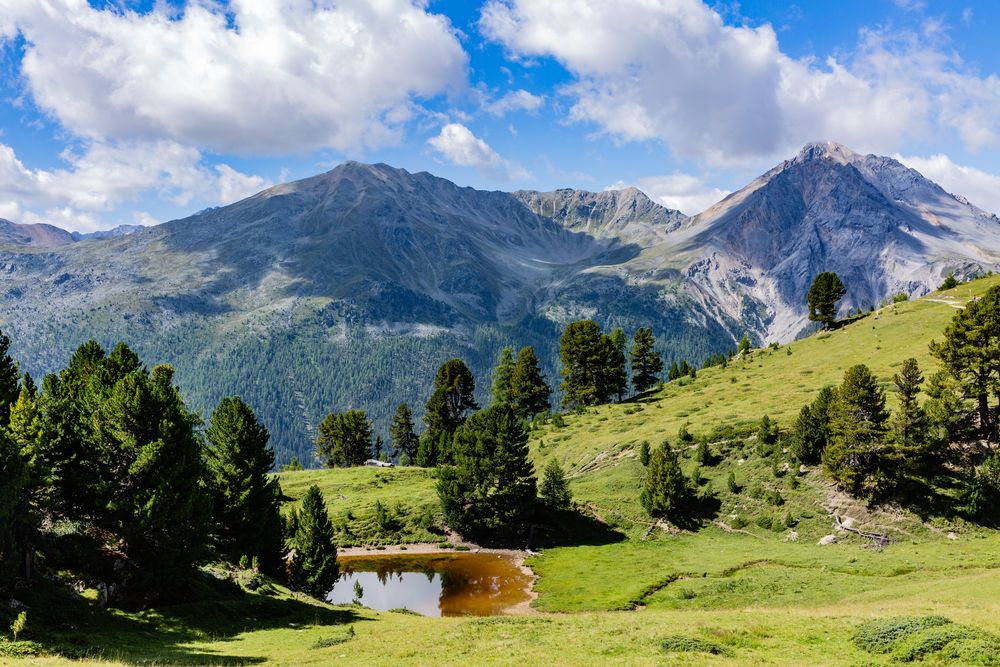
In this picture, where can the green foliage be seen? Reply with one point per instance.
(404, 440)
(246, 497)
(857, 456)
(491, 484)
(292, 465)
(767, 436)
(9, 379)
(13, 478)
(909, 424)
(664, 487)
(911, 638)
(345, 439)
(151, 492)
(981, 496)
(703, 455)
(529, 392)
(731, 483)
(593, 365)
(950, 282)
(744, 346)
(646, 361)
(554, 489)
(313, 567)
(19, 625)
(644, 453)
(452, 399)
(503, 373)
(682, 644)
(811, 431)
(826, 290)
(970, 350)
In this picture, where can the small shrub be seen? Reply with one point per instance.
(731, 483)
(463, 547)
(882, 635)
(644, 453)
(558, 421)
(773, 497)
(682, 644)
(19, 624)
(696, 479)
(738, 523)
(900, 297)
(327, 642)
(686, 594)
(763, 522)
(703, 455)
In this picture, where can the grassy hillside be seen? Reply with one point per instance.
(749, 583)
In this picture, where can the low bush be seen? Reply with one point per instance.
(682, 644)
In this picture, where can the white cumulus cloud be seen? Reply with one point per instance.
(673, 71)
(515, 100)
(458, 145)
(102, 176)
(251, 76)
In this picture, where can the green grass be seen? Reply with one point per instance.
(622, 594)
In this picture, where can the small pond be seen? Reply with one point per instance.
(460, 584)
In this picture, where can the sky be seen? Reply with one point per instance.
(137, 112)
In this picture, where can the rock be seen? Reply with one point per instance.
(792, 536)
(952, 536)
(827, 540)
(803, 469)
(847, 522)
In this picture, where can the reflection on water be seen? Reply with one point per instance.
(433, 585)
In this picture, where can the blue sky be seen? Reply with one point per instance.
(121, 112)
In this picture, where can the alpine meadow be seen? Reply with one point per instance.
(504, 332)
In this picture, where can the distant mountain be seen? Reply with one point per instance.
(881, 226)
(120, 230)
(349, 288)
(33, 235)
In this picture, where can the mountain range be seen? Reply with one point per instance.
(347, 289)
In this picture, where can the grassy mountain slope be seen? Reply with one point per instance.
(763, 593)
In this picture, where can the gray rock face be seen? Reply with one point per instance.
(35, 236)
(881, 226)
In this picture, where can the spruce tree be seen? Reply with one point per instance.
(344, 439)
(247, 498)
(856, 455)
(9, 379)
(970, 352)
(404, 440)
(151, 493)
(665, 486)
(313, 567)
(824, 293)
(674, 372)
(614, 376)
(529, 392)
(491, 484)
(909, 424)
(584, 355)
(427, 451)
(554, 489)
(500, 389)
(13, 478)
(646, 361)
(452, 400)
(811, 431)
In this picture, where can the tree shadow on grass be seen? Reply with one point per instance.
(572, 528)
(72, 627)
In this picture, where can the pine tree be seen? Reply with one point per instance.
(247, 498)
(826, 290)
(554, 489)
(427, 451)
(856, 455)
(313, 568)
(151, 492)
(404, 440)
(583, 355)
(811, 431)
(646, 361)
(345, 439)
(491, 485)
(744, 346)
(529, 392)
(674, 372)
(13, 478)
(644, 453)
(453, 398)
(909, 424)
(665, 487)
(615, 376)
(970, 352)
(500, 390)
(10, 378)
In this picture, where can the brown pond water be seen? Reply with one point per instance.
(461, 584)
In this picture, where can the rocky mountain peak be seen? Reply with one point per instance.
(830, 150)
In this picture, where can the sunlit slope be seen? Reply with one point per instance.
(774, 382)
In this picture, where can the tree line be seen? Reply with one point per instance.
(107, 453)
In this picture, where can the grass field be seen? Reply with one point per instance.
(750, 585)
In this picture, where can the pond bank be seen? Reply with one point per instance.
(517, 557)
